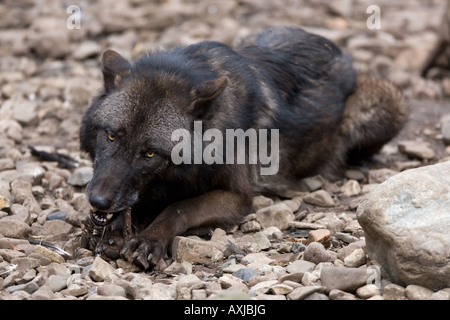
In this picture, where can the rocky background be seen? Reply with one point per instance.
(357, 238)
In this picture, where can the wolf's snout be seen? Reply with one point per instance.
(100, 202)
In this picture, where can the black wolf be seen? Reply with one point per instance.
(284, 78)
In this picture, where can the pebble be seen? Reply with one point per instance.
(320, 235)
(343, 278)
(415, 292)
(303, 292)
(108, 289)
(319, 198)
(278, 215)
(81, 176)
(368, 291)
(193, 250)
(100, 270)
(350, 188)
(393, 291)
(419, 149)
(300, 267)
(337, 294)
(246, 273)
(355, 259)
(316, 253)
(49, 254)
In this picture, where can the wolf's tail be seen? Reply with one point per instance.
(374, 114)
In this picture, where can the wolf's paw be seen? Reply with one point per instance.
(143, 251)
(110, 246)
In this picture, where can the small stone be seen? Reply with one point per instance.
(198, 294)
(257, 260)
(312, 183)
(162, 291)
(345, 251)
(303, 292)
(246, 273)
(49, 254)
(100, 270)
(319, 198)
(87, 49)
(354, 175)
(351, 188)
(250, 226)
(56, 227)
(262, 241)
(441, 295)
(43, 293)
(139, 286)
(278, 215)
(227, 281)
(179, 267)
(380, 175)
(343, 278)
(262, 287)
(320, 235)
(414, 292)
(305, 225)
(260, 202)
(281, 289)
(300, 267)
(316, 253)
(193, 250)
(108, 289)
(337, 294)
(81, 176)
(393, 291)
(29, 287)
(368, 291)
(419, 149)
(14, 229)
(56, 283)
(355, 259)
(445, 124)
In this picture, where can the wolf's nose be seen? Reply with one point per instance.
(99, 202)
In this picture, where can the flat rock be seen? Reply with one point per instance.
(406, 222)
(342, 278)
(418, 149)
(300, 266)
(319, 198)
(303, 292)
(14, 228)
(193, 250)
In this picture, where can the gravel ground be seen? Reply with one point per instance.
(314, 249)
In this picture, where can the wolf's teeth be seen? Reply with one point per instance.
(93, 209)
(109, 216)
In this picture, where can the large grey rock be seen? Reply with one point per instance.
(406, 221)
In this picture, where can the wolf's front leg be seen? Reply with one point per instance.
(213, 209)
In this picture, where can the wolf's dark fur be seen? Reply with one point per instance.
(285, 79)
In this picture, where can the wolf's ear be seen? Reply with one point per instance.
(114, 68)
(209, 90)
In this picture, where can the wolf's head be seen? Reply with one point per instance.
(127, 129)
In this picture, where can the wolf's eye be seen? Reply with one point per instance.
(111, 137)
(149, 155)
